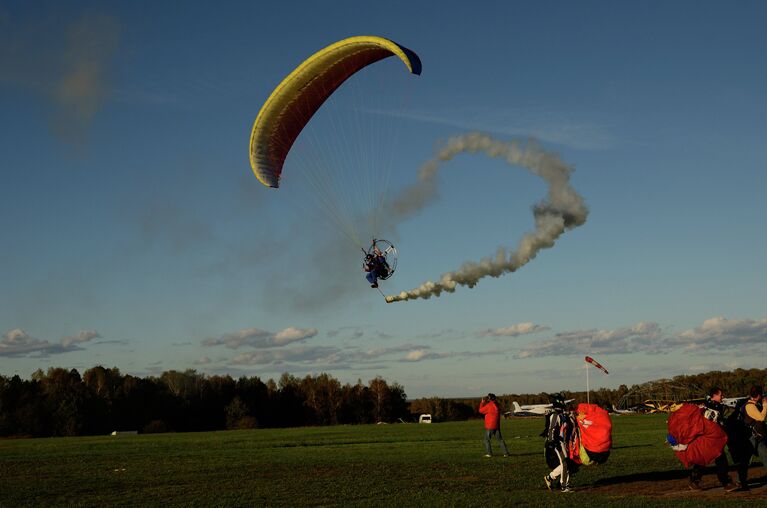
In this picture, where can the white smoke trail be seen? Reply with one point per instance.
(561, 210)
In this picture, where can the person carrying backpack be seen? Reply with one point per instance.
(739, 443)
(559, 431)
(713, 410)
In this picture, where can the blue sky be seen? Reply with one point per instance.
(136, 235)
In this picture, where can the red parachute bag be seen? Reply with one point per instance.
(596, 433)
(698, 441)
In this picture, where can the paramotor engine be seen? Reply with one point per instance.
(389, 253)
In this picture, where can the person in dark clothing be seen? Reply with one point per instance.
(376, 267)
(560, 426)
(713, 410)
(754, 414)
(739, 443)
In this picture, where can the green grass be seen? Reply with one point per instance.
(369, 465)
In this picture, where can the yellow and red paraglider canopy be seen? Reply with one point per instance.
(298, 97)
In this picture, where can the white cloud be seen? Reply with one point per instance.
(333, 357)
(246, 337)
(257, 338)
(648, 337)
(17, 342)
(723, 333)
(279, 356)
(83, 336)
(414, 356)
(292, 334)
(419, 355)
(515, 330)
(641, 337)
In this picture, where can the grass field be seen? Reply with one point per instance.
(370, 465)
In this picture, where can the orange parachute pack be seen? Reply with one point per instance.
(695, 439)
(594, 437)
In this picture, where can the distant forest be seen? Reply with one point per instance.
(734, 383)
(62, 402)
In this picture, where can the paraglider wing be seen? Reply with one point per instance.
(293, 103)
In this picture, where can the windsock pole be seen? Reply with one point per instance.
(590, 360)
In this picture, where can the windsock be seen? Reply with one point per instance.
(596, 364)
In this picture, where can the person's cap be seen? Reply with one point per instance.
(491, 396)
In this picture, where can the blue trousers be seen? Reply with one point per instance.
(371, 277)
(489, 433)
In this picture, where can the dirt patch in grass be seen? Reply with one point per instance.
(675, 484)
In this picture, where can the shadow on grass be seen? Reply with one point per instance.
(537, 453)
(652, 476)
(632, 446)
(755, 480)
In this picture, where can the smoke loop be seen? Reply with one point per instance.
(562, 209)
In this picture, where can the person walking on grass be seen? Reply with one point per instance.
(559, 431)
(713, 410)
(489, 407)
(755, 416)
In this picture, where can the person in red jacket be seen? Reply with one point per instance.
(489, 408)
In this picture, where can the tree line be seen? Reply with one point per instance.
(62, 402)
(734, 383)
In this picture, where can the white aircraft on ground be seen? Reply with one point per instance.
(533, 409)
(733, 401)
(623, 411)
